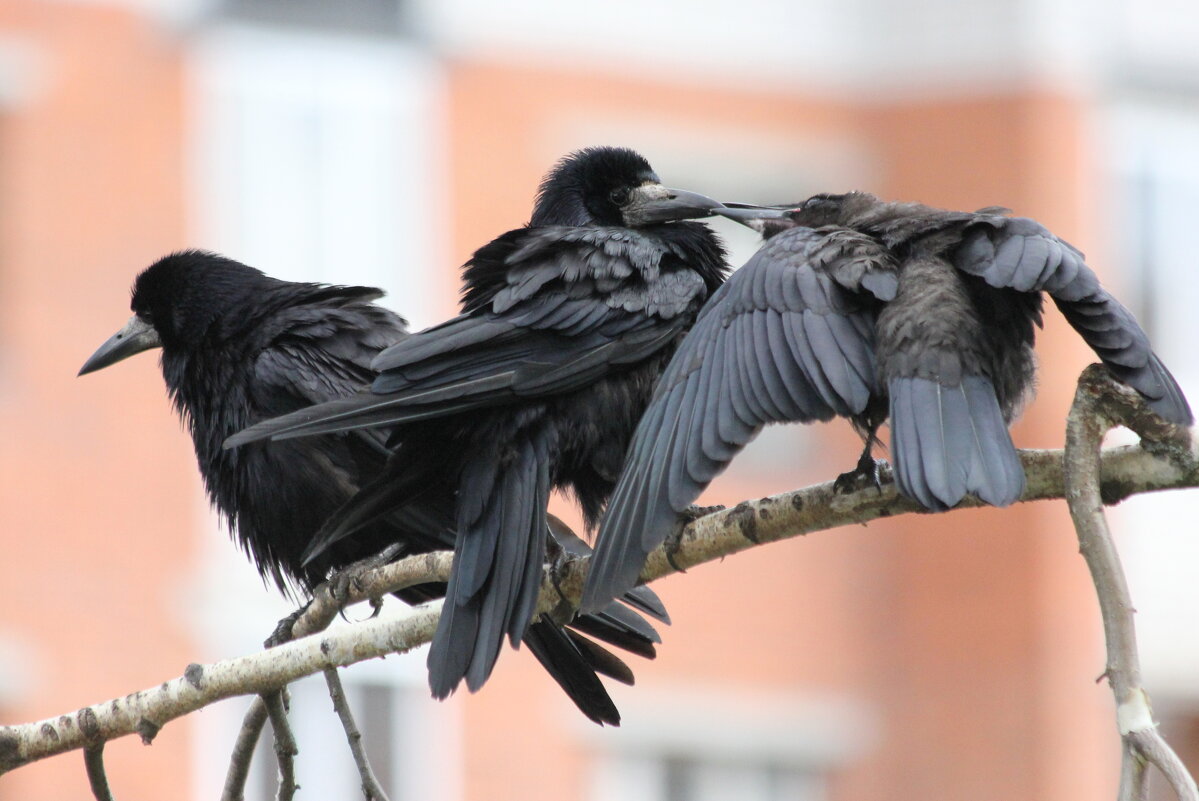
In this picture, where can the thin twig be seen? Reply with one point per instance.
(1134, 777)
(243, 751)
(285, 743)
(1099, 405)
(93, 760)
(371, 789)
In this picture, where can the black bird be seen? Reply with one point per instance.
(538, 384)
(858, 308)
(238, 347)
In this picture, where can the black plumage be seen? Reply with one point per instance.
(538, 384)
(239, 347)
(862, 309)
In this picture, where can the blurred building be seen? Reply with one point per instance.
(381, 141)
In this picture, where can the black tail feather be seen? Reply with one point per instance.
(561, 658)
(495, 579)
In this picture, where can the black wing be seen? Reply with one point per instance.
(576, 305)
(321, 349)
(1022, 254)
(316, 343)
(788, 338)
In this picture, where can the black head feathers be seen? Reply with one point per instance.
(589, 186)
(180, 293)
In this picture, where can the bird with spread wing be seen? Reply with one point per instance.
(858, 308)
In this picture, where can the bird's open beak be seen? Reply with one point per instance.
(654, 203)
(744, 212)
(136, 336)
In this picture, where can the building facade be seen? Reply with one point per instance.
(380, 142)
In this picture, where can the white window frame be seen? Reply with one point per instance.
(316, 158)
(750, 743)
(1152, 200)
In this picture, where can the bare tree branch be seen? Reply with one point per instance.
(97, 778)
(243, 751)
(328, 599)
(371, 789)
(1100, 404)
(1168, 463)
(285, 743)
(144, 712)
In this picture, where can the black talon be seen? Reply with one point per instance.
(341, 581)
(686, 517)
(693, 513)
(673, 544)
(868, 468)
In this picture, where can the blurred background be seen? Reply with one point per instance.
(380, 142)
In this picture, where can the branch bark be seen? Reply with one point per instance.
(243, 751)
(1167, 462)
(1099, 405)
(93, 761)
(286, 749)
(371, 789)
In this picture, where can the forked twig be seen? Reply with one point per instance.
(1100, 404)
(285, 743)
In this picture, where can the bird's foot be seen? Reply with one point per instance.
(559, 559)
(686, 517)
(868, 472)
(283, 629)
(693, 513)
(344, 581)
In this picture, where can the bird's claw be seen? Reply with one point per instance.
(344, 581)
(563, 611)
(283, 629)
(686, 517)
(868, 472)
(693, 513)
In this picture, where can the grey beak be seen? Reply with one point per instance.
(745, 212)
(136, 336)
(654, 203)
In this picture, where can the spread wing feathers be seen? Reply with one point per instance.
(788, 338)
(496, 574)
(950, 440)
(1021, 254)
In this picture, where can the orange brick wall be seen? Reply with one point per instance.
(93, 474)
(973, 635)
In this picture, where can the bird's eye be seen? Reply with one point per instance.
(619, 196)
(146, 317)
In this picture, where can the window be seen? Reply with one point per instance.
(360, 16)
(413, 741)
(394, 717)
(689, 778)
(314, 158)
(709, 743)
(1152, 206)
